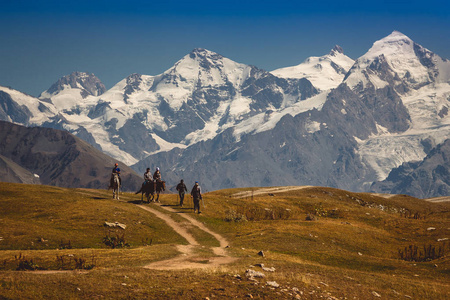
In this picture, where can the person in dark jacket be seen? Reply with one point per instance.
(196, 194)
(181, 188)
(157, 175)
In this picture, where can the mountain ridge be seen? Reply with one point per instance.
(373, 119)
(54, 157)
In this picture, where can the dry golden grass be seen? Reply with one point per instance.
(349, 252)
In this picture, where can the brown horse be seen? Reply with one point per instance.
(150, 188)
(147, 188)
(160, 186)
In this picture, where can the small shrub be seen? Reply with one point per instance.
(70, 262)
(405, 213)
(80, 264)
(25, 264)
(424, 253)
(147, 241)
(234, 216)
(320, 211)
(116, 241)
(254, 213)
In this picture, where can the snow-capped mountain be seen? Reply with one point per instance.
(17, 107)
(430, 176)
(421, 79)
(375, 120)
(325, 72)
(328, 121)
(67, 92)
(202, 95)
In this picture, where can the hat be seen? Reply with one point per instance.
(157, 169)
(116, 164)
(196, 182)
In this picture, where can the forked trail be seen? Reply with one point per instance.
(188, 259)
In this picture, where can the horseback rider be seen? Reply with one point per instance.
(148, 176)
(115, 170)
(157, 175)
(196, 194)
(181, 188)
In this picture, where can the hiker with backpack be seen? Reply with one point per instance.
(196, 194)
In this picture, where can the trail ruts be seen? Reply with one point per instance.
(188, 259)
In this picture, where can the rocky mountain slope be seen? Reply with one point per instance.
(55, 157)
(328, 121)
(422, 178)
(376, 119)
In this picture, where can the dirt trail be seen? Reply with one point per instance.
(272, 190)
(439, 199)
(188, 259)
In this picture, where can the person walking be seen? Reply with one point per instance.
(181, 188)
(196, 194)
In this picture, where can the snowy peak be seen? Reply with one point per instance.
(325, 72)
(87, 82)
(395, 46)
(73, 89)
(205, 65)
(408, 62)
(204, 55)
(199, 70)
(336, 51)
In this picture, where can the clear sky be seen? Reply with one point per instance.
(41, 41)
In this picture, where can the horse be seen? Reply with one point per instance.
(116, 186)
(160, 186)
(147, 188)
(150, 188)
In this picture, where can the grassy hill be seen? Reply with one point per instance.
(323, 243)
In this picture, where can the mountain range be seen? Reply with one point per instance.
(330, 121)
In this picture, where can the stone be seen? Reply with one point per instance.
(376, 294)
(115, 224)
(272, 284)
(252, 274)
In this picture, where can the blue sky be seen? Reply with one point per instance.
(41, 41)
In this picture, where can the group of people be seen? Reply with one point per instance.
(196, 192)
(149, 178)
